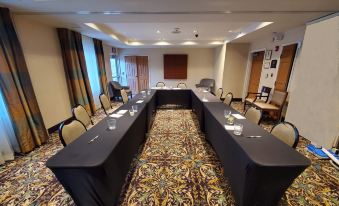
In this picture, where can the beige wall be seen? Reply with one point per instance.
(219, 63)
(314, 97)
(107, 51)
(235, 68)
(43, 57)
(200, 63)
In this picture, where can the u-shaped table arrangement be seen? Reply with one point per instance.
(259, 170)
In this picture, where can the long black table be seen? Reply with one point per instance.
(259, 170)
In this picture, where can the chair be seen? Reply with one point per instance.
(105, 103)
(228, 98)
(286, 132)
(219, 93)
(124, 96)
(276, 104)
(70, 131)
(116, 89)
(258, 97)
(206, 83)
(160, 84)
(182, 85)
(80, 113)
(254, 115)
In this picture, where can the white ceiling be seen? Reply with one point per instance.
(133, 23)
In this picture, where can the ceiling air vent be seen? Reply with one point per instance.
(176, 31)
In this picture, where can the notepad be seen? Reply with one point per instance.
(115, 115)
(238, 116)
(140, 101)
(229, 127)
(123, 111)
(205, 100)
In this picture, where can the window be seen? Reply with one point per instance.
(115, 73)
(92, 68)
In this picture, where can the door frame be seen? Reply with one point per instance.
(248, 71)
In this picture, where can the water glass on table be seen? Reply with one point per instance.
(229, 118)
(111, 123)
(143, 93)
(238, 127)
(135, 108)
(131, 112)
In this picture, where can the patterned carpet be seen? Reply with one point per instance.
(175, 167)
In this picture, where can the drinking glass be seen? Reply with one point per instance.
(149, 92)
(229, 118)
(238, 127)
(135, 108)
(143, 93)
(131, 112)
(111, 123)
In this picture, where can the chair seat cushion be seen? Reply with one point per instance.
(265, 106)
(251, 100)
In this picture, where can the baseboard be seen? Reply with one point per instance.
(56, 127)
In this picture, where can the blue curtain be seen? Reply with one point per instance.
(8, 142)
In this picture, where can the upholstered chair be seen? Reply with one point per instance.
(219, 93)
(160, 84)
(286, 132)
(105, 103)
(124, 96)
(253, 115)
(228, 98)
(80, 113)
(182, 85)
(70, 131)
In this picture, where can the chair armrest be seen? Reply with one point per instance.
(264, 96)
(248, 93)
(197, 85)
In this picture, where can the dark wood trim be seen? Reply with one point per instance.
(56, 127)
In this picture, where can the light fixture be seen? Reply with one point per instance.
(216, 43)
(135, 43)
(162, 43)
(114, 36)
(93, 26)
(195, 31)
(107, 12)
(189, 43)
(158, 32)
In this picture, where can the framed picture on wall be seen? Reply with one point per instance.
(266, 65)
(274, 63)
(268, 54)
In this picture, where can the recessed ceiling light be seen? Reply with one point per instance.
(195, 31)
(189, 43)
(107, 12)
(114, 36)
(158, 32)
(93, 26)
(228, 12)
(135, 43)
(216, 42)
(162, 43)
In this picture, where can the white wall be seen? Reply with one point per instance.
(292, 36)
(314, 99)
(200, 63)
(219, 62)
(42, 52)
(235, 68)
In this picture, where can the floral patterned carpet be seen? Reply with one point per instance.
(176, 166)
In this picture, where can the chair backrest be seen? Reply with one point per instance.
(70, 131)
(105, 103)
(182, 85)
(286, 132)
(228, 98)
(80, 113)
(278, 98)
(265, 90)
(207, 82)
(219, 93)
(160, 84)
(124, 96)
(116, 85)
(253, 115)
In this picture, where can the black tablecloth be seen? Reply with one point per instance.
(198, 100)
(259, 169)
(93, 174)
(180, 97)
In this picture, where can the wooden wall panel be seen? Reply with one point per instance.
(175, 66)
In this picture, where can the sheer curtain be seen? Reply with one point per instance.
(92, 68)
(7, 136)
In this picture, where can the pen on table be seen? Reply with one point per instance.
(92, 140)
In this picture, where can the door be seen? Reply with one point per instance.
(285, 67)
(132, 73)
(142, 64)
(257, 62)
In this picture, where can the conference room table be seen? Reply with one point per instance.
(259, 169)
